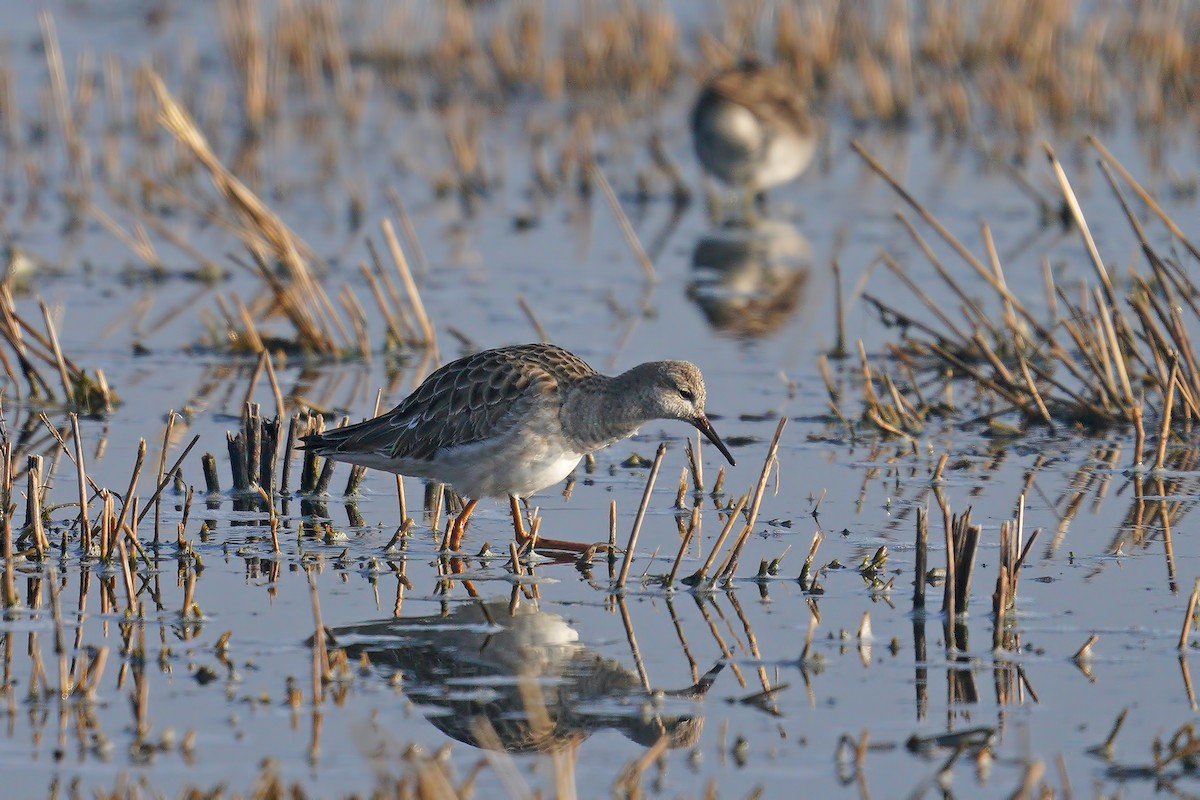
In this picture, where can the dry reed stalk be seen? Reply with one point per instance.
(167, 477)
(538, 329)
(391, 304)
(141, 246)
(934, 307)
(1142, 194)
(33, 506)
(1037, 395)
(246, 45)
(719, 484)
(945, 234)
(303, 300)
(1108, 350)
(922, 559)
(693, 528)
(1164, 433)
(85, 531)
(681, 492)
(641, 515)
(963, 538)
(1084, 653)
(288, 449)
(695, 463)
(162, 463)
(699, 578)
(1013, 552)
(11, 598)
(358, 318)
(410, 288)
(206, 270)
(68, 393)
(104, 525)
(399, 329)
(514, 557)
(681, 195)
(730, 563)
(408, 230)
(831, 389)
(127, 573)
(248, 328)
(614, 204)
(806, 579)
(62, 106)
(248, 398)
(1189, 616)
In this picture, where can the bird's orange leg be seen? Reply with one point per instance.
(459, 526)
(514, 505)
(542, 542)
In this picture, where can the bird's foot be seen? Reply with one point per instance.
(560, 545)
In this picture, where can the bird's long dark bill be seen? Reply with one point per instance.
(706, 428)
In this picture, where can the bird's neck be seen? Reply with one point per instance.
(601, 409)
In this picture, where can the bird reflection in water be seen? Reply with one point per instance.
(526, 673)
(748, 281)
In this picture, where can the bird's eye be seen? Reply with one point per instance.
(687, 394)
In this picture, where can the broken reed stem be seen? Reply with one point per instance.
(623, 222)
(280, 412)
(133, 480)
(1164, 433)
(730, 562)
(1188, 616)
(162, 463)
(948, 594)
(641, 514)
(126, 572)
(514, 556)
(839, 313)
(167, 477)
(1145, 196)
(698, 577)
(806, 567)
(1085, 653)
(248, 398)
(966, 542)
(208, 466)
(1081, 223)
(288, 449)
(33, 506)
(612, 526)
(59, 361)
(11, 598)
(538, 329)
(693, 526)
(681, 493)
(410, 288)
(697, 463)
(85, 532)
(922, 559)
